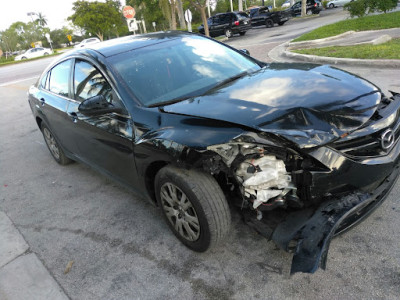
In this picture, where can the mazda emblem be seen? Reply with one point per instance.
(387, 139)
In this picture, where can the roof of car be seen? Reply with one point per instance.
(131, 42)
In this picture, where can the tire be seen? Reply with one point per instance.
(309, 12)
(54, 147)
(242, 33)
(228, 33)
(23, 57)
(281, 23)
(45, 53)
(194, 198)
(269, 23)
(331, 6)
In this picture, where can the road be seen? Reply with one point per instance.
(121, 247)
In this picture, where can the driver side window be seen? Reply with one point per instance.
(89, 82)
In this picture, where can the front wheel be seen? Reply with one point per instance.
(194, 207)
(331, 5)
(309, 12)
(228, 33)
(269, 23)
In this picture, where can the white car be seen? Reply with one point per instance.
(286, 4)
(337, 3)
(86, 42)
(34, 52)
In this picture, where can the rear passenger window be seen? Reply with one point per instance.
(59, 78)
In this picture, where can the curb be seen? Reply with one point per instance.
(314, 42)
(22, 274)
(385, 63)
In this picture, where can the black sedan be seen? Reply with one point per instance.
(198, 128)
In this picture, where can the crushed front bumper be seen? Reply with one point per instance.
(308, 232)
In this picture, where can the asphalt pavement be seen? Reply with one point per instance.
(68, 232)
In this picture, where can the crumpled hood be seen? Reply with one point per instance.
(308, 104)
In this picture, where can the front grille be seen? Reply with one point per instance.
(368, 143)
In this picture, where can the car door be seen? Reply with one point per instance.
(104, 141)
(52, 101)
(213, 26)
(296, 8)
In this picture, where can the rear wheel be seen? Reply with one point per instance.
(309, 12)
(23, 57)
(269, 23)
(45, 53)
(228, 33)
(55, 149)
(194, 207)
(331, 5)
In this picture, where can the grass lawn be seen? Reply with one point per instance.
(375, 22)
(389, 50)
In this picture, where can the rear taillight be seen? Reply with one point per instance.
(315, 5)
(236, 23)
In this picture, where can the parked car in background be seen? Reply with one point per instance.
(263, 16)
(198, 127)
(313, 7)
(34, 52)
(229, 23)
(87, 42)
(337, 3)
(286, 4)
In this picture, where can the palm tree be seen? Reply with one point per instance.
(41, 20)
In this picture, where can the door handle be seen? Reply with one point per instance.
(42, 101)
(73, 116)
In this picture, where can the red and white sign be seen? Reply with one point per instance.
(128, 12)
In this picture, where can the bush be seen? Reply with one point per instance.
(360, 8)
(357, 8)
(325, 3)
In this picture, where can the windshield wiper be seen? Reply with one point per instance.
(219, 84)
(168, 102)
(226, 81)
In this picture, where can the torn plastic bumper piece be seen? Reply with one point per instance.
(308, 232)
(330, 219)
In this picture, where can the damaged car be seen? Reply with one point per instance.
(200, 128)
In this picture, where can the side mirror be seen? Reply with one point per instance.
(97, 105)
(245, 51)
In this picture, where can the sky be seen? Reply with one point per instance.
(56, 11)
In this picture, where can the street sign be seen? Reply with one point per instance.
(188, 16)
(48, 37)
(32, 45)
(69, 37)
(132, 25)
(128, 12)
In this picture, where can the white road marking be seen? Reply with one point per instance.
(17, 81)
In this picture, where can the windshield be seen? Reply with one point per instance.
(179, 68)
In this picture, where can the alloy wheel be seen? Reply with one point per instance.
(180, 212)
(51, 142)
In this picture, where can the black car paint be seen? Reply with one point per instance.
(260, 15)
(217, 28)
(133, 147)
(314, 6)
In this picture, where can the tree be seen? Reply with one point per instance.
(98, 18)
(201, 5)
(41, 20)
(303, 8)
